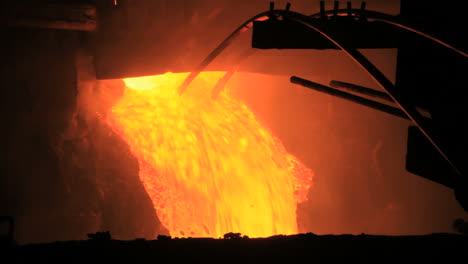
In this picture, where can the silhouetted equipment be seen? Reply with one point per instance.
(433, 77)
(406, 105)
(361, 89)
(322, 10)
(428, 76)
(349, 6)
(336, 6)
(350, 97)
(429, 72)
(431, 67)
(370, 93)
(289, 34)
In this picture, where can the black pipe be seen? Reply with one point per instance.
(392, 20)
(322, 10)
(396, 95)
(361, 89)
(350, 97)
(350, 13)
(247, 25)
(410, 110)
(336, 6)
(362, 15)
(220, 48)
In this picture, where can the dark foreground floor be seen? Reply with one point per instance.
(303, 248)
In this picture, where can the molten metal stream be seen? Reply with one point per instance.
(208, 165)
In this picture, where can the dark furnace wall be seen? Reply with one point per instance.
(64, 173)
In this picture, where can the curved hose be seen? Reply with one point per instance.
(242, 28)
(360, 59)
(380, 78)
(389, 19)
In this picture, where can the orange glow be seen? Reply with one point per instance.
(208, 165)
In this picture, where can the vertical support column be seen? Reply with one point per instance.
(336, 5)
(322, 10)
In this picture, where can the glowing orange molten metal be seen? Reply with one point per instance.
(208, 165)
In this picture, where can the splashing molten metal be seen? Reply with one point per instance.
(208, 165)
